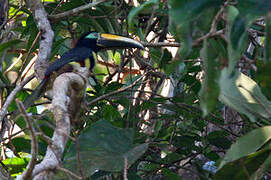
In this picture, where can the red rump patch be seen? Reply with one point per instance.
(82, 63)
(73, 43)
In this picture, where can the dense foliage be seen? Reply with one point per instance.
(194, 104)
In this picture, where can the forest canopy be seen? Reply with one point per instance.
(135, 89)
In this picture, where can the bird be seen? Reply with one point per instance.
(87, 44)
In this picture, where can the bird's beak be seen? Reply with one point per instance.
(110, 41)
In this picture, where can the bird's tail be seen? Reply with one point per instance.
(29, 101)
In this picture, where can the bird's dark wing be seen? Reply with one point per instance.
(74, 55)
(78, 54)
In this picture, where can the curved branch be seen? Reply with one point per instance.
(64, 85)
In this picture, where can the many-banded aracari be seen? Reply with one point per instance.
(86, 45)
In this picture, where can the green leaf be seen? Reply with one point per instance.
(165, 58)
(147, 105)
(183, 15)
(265, 166)
(247, 144)
(253, 9)
(161, 57)
(267, 46)
(243, 168)
(113, 86)
(149, 167)
(172, 67)
(111, 113)
(99, 175)
(219, 139)
(238, 41)
(16, 165)
(169, 174)
(244, 95)
(188, 10)
(22, 144)
(248, 11)
(104, 147)
(156, 54)
(210, 90)
(8, 44)
(20, 95)
(262, 77)
(142, 7)
(185, 32)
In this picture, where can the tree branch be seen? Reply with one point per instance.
(161, 44)
(76, 10)
(47, 36)
(175, 44)
(64, 85)
(34, 144)
(115, 92)
(10, 98)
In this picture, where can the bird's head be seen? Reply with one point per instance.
(98, 41)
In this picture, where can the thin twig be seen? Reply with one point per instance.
(69, 172)
(216, 18)
(27, 174)
(125, 168)
(114, 92)
(75, 10)
(208, 35)
(11, 97)
(13, 64)
(176, 44)
(27, 56)
(15, 14)
(79, 164)
(14, 134)
(161, 44)
(44, 137)
(150, 22)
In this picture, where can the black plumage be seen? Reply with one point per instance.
(84, 48)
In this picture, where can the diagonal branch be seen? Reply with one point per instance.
(9, 99)
(115, 92)
(76, 10)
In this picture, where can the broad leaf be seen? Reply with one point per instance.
(104, 147)
(210, 90)
(243, 168)
(247, 144)
(188, 10)
(244, 95)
